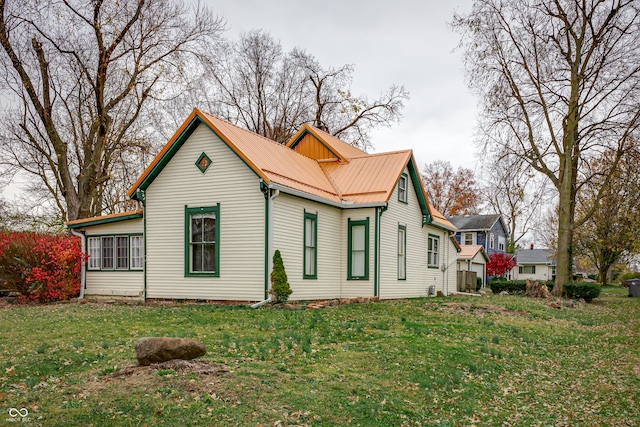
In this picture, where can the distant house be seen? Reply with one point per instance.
(220, 200)
(488, 231)
(473, 258)
(535, 264)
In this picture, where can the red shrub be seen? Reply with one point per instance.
(499, 263)
(41, 267)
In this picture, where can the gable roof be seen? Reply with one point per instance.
(476, 222)
(469, 252)
(355, 179)
(536, 256)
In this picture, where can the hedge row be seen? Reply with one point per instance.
(513, 286)
(576, 290)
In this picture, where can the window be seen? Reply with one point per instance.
(492, 241)
(107, 253)
(122, 252)
(402, 188)
(358, 250)
(310, 246)
(468, 238)
(137, 252)
(432, 251)
(202, 236)
(501, 243)
(527, 269)
(119, 252)
(94, 253)
(402, 252)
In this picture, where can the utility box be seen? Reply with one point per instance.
(634, 287)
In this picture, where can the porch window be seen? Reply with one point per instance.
(137, 252)
(107, 253)
(94, 253)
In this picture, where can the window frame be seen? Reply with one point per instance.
(492, 241)
(502, 244)
(464, 238)
(532, 268)
(357, 223)
(188, 212)
(402, 257)
(404, 178)
(142, 254)
(430, 251)
(103, 252)
(115, 237)
(313, 217)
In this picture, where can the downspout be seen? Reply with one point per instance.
(83, 272)
(376, 271)
(141, 196)
(268, 261)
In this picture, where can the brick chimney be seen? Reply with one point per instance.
(531, 247)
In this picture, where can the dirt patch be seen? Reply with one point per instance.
(479, 310)
(190, 375)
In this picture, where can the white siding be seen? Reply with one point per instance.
(118, 283)
(357, 288)
(418, 276)
(543, 273)
(288, 239)
(229, 182)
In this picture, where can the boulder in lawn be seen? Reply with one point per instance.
(161, 349)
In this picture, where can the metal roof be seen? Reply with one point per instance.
(104, 219)
(470, 251)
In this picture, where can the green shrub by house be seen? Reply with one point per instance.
(586, 290)
(513, 286)
(279, 283)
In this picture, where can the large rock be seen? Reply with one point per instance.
(161, 349)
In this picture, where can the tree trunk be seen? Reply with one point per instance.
(603, 272)
(565, 227)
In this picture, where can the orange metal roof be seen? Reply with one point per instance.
(470, 251)
(357, 178)
(113, 217)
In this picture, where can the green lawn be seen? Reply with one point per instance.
(459, 361)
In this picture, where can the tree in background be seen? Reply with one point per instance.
(500, 263)
(512, 190)
(610, 235)
(273, 93)
(451, 192)
(81, 77)
(559, 83)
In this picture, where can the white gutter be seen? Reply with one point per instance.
(83, 277)
(269, 247)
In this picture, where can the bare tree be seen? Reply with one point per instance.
(560, 84)
(83, 75)
(261, 88)
(451, 192)
(512, 190)
(609, 236)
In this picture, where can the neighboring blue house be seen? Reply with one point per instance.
(488, 231)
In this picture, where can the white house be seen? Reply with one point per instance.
(535, 264)
(219, 200)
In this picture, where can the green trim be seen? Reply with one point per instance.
(351, 224)
(314, 217)
(403, 228)
(376, 243)
(114, 269)
(267, 193)
(100, 221)
(187, 240)
(179, 142)
(144, 238)
(417, 185)
(203, 156)
(306, 131)
(406, 188)
(433, 236)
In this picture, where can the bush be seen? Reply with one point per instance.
(594, 277)
(279, 283)
(586, 290)
(41, 267)
(628, 276)
(513, 286)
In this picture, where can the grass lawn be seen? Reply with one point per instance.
(458, 361)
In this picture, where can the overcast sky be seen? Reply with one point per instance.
(404, 42)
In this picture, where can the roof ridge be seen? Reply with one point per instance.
(385, 153)
(331, 181)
